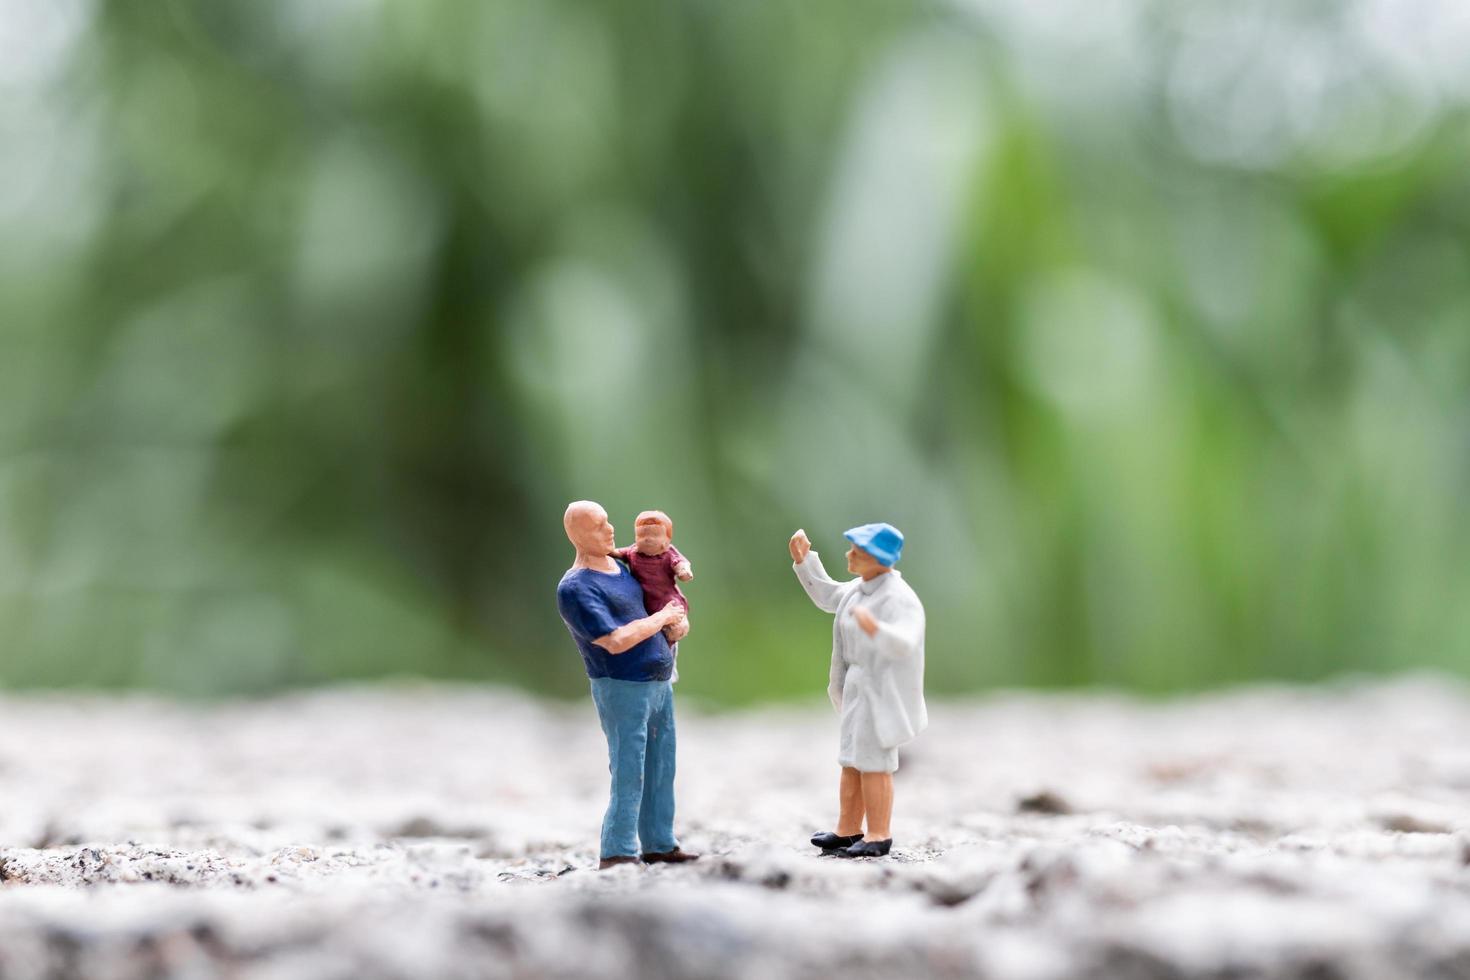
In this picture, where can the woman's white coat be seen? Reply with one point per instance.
(891, 674)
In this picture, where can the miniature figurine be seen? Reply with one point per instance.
(658, 567)
(627, 656)
(877, 679)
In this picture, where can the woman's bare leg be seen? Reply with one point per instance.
(850, 803)
(877, 794)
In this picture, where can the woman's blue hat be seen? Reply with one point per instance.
(883, 541)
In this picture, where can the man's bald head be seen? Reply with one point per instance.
(580, 512)
(588, 528)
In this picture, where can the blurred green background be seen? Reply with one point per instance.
(1148, 322)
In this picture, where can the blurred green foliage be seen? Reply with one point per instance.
(1148, 322)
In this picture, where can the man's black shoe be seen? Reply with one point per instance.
(613, 862)
(867, 849)
(828, 841)
(675, 856)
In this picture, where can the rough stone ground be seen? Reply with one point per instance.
(430, 831)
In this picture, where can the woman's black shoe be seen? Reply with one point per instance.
(867, 849)
(830, 842)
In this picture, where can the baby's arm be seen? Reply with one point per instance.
(682, 571)
(679, 566)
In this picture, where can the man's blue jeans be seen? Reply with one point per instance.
(638, 719)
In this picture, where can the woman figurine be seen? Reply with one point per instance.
(877, 679)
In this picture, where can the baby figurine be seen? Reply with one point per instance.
(657, 565)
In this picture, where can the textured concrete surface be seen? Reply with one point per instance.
(429, 831)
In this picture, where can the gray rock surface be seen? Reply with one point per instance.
(451, 832)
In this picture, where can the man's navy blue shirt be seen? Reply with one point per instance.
(593, 604)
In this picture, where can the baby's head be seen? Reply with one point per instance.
(652, 532)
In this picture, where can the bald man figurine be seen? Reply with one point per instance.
(627, 656)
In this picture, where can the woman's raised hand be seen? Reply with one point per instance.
(800, 545)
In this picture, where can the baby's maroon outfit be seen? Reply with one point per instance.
(656, 574)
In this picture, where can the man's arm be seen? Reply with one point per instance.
(627, 637)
